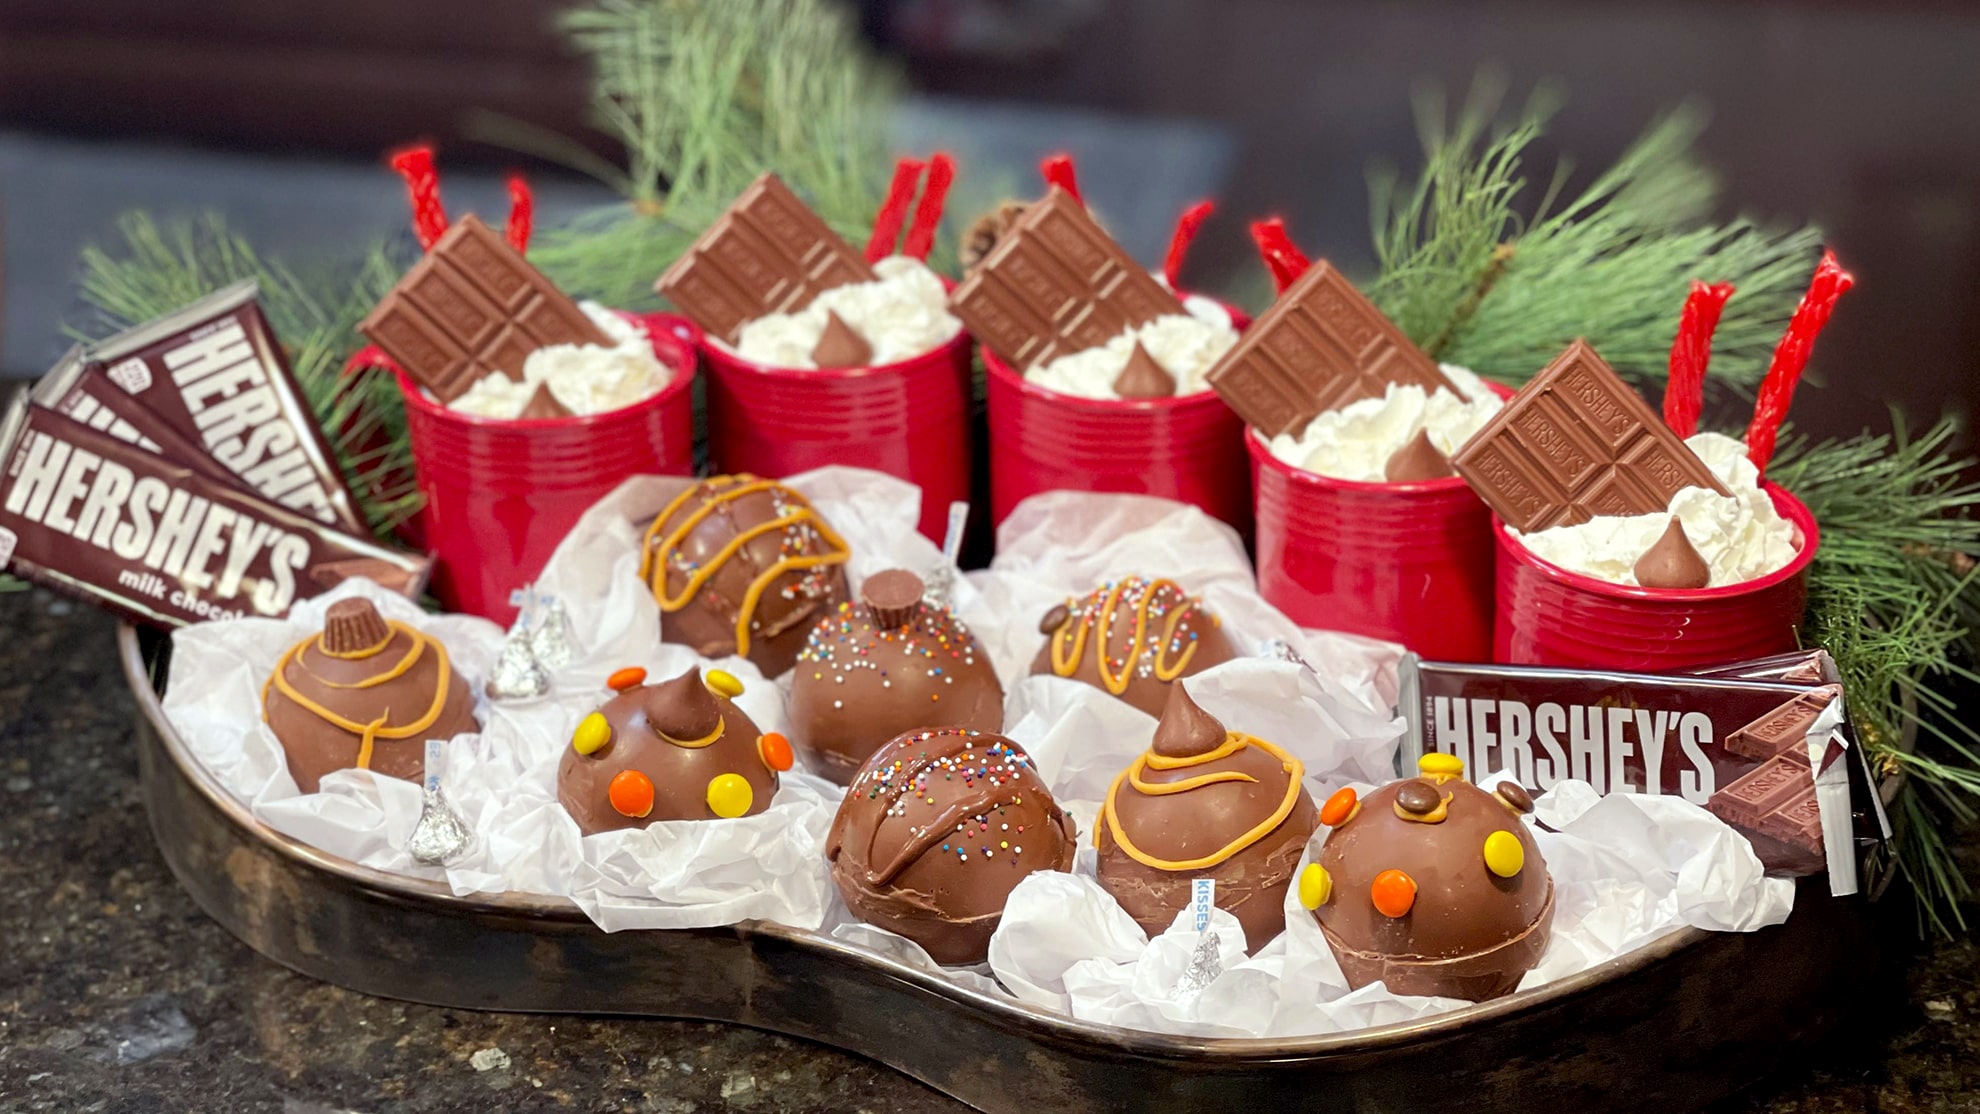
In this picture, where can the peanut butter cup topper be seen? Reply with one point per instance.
(677, 750)
(1205, 802)
(1133, 638)
(743, 566)
(889, 664)
(937, 829)
(1431, 885)
(366, 693)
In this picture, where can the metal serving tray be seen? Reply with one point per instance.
(1671, 1027)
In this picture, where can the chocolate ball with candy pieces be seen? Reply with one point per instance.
(1133, 638)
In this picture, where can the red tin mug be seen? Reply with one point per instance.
(501, 494)
(1550, 616)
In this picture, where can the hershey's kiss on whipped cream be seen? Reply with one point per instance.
(840, 345)
(440, 834)
(1143, 377)
(543, 403)
(1672, 561)
(1417, 461)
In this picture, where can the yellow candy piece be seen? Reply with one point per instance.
(1504, 856)
(592, 733)
(723, 683)
(1440, 764)
(729, 795)
(1315, 886)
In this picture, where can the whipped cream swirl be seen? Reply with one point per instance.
(1356, 441)
(903, 314)
(586, 378)
(1187, 345)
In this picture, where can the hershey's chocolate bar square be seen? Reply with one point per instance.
(1782, 732)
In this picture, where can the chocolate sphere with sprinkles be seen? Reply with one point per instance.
(1132, 637)
(886, 665)
(936, 830)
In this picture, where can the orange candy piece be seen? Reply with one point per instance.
(775, 751)
(626, 678)
(1393, 893)
(1338, 808)
(631, 793)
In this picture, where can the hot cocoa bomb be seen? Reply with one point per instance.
(1205, 802)
(935, 832)
(364, 694)
(678, 750)
(884, 666)
(742, 566)
(1432, 885)
(1132, 637)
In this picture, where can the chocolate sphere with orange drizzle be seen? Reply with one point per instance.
(936, 831)
(678, 750)
(888, 664)
(742, 566)
(366, 694)
(1432, 885)
(1204, 802)
(1132, 637)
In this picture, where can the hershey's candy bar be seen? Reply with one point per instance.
(156, 540)
(1056, 284)
(1321, 346)
(1576, 442)
(212, 375)
(1781, 733)
(769, 253)
(471, 307)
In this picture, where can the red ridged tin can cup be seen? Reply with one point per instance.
(909, 419)
(501, 494)
(1409, 563)
(1550, 616)
(1188, 448)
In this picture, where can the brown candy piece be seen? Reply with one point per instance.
(1417, 461)
(936, 831)
(1515, 796)
(327, 690)
(543, 403)
(1155, 839)
(839, 345)
(677, 737)
(1672, 562)
(1143, 377)
(1132, 638)
(758, 598)
(1054, 619)
(1418, 797)
(892, 664)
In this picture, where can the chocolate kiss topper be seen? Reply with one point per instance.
(1185, 729)
(839, 345)
(1143, 377)
(543, 404)
(1417, 461)
(682, 711)
(892, 598)
(1672, 561)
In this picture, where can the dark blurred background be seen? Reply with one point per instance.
(1863, 116)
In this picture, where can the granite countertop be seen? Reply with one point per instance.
(118, 994)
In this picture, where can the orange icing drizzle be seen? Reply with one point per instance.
(657, 552)
(1065, 663)
(367, 733)
(695, 744)
(1233, 742)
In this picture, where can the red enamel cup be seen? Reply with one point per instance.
(1550, 616)
(908, 419)
(501, 494)
(1189, 449)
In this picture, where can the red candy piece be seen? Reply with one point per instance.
(631, 793)
(415, 165)
(775, 751)
(1393, 893)
(1791, 356)
(1691, 352)
(1186, 228)
(1338, 808)
(928, 214)
(626, 678)
(893, 211)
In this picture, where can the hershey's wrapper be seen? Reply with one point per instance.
(439, 834)
(552, 639)
(159, 541)
(1761, 755)
(212, 375)
(1205, 961)
(938, 587)
(518, 676)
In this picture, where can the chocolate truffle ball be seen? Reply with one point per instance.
(678, 750)
(1204, 802)
(742, 566)
(1432, 885)
(936, 831)
(364, 694)
(885, 666)
(1132, 637)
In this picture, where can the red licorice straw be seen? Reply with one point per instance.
(522, 214)
(1283, 259)
(1684, 391)
(893, 211)
(1791, 357)
(928, 214)
(415, 165)
(1186, 228)
(1058, 171)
